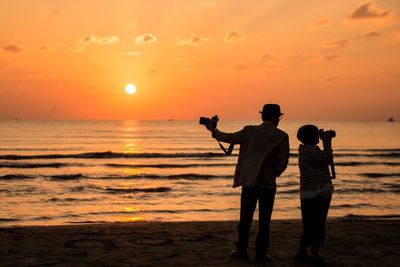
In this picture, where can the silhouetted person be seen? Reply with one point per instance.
(315, 191)
(263, 156)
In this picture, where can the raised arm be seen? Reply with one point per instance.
(232, 138)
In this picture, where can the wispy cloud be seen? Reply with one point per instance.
(372, 34)
(146, 38)
(194, 68)
(330, 57)
(267, 58)
(336, 44)
(194, 40)
(240, 67)
(12, 48)
(367, 11)
(235, 36)
(331, 79)
(322, 22)
(264, 61)
(131, 53)
(88, 40)
(91, 39)
(54, 47)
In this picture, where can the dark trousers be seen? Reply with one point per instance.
(314, 212)
(248, 203)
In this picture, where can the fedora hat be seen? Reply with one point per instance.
(272, 109)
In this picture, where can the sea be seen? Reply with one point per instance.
(76, 172)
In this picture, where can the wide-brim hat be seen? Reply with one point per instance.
(272, 109)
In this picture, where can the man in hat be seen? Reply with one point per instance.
(263, 156)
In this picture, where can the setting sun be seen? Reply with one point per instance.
(130, 89)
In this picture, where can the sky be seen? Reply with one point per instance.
(320, 60)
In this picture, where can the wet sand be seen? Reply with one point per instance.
(351, 241)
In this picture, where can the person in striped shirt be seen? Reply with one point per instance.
(315, 191)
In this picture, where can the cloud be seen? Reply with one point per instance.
(372, 34)
(367, 11)
(267, 61)
(53, 47)
(91, 39)
(107, 40)
(322, 22)
(193, 69)
(330, 57)
(131, 53)
(145, 39)
(337, 44)
(239, 67)
(235, 36)
(194, 40)
(12, 48)
(87, 40)
(267, 58)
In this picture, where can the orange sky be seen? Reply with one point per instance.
(71, 59)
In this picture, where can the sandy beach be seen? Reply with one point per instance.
(351, 241)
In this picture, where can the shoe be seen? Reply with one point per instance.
(239, 254)
(318, 262)
(300, 257)
(262, 258)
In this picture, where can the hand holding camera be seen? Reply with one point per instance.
(326, 136)
(210, 124)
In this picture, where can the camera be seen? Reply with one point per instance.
(205, 121)
(331, 133)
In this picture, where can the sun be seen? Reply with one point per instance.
(130, 89)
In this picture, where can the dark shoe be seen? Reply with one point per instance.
(300, 257)
(318, 262)
(239, 254)
(262, 258)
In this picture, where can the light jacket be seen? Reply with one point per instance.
(264, 151)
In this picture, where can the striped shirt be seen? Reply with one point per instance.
(314, 171)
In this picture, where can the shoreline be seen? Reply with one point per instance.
(350, 241)
(348, 217)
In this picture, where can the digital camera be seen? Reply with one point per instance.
(205, 121)
(331, 133)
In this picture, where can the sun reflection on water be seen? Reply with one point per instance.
(130, 129)
(132, 219)
(132, 172)
(130, 148)
(130, 209)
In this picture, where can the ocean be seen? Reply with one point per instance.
(68, 172)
